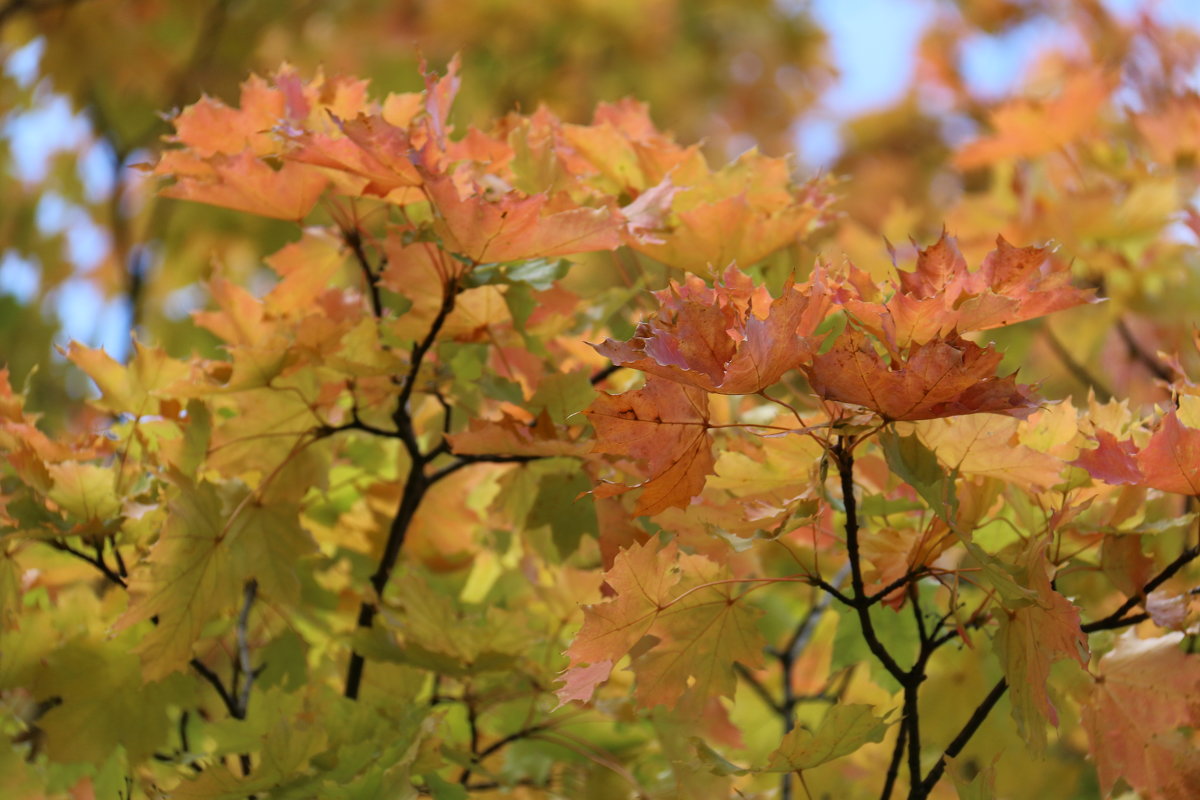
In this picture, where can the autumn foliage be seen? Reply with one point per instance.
(556, 459)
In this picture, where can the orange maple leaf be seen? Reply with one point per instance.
(941, 378)
(1170, 461)
(1028, 128)
(942, 295)
(516, 226)
(244, 182)
(730, 339)
(689, 607)
(665, 425)
(1032, 635)
(1146, 690)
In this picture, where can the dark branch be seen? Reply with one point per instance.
(1077, 370)
(960, 741)
(353, 240)
(903, 580)
(467, 460)
(1141, 355)
(1117, 619)
(229, 701)
(497, 745)
(844, 459)
(97, 561)
(893, 772)
(604, 374)
(760, 690)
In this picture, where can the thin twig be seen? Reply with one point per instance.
(603, 374)
(243, 646)
(353, 239)
(1117, 619)
(1077, 370)
(756, 685)
(1141, 355)
(97, 562)
(968, 730)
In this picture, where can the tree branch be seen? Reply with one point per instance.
(497, 745)
(353, 239)
(844, 459)
(1141, 355)
(1077, 370)
(98, 561)
(893, 772)
(1117, 619)
(602, 375)
(968, 730)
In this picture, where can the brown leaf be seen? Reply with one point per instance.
(1145, 690)
(941, 295)
(728, 339)
(664, 425)
(941, 378)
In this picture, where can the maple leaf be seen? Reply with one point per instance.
(740, 214)
(844, 729)
(579, 683)
(211, 543)
(209, 127)
(1027, 129)
(665, 425)
(244, 182)
(941, 295)
(730, 339)
(306, 269)
(103, 702)
(1034, 633)
(623, 147)
(686, 604)
(1145, 691)
(1170, 461)
(990, 446)
(134, 388)
(510, 436)
(85, 491)
(513, 227)
(1113, 461)
(940, 378)
(370, 147)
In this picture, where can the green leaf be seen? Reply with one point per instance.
(538, 273)
(916, 465)
(844, 729)
(559, 505)
(104, 702)
(441, 789)
(563, 394)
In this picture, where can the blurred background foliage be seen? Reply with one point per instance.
(1072, 121)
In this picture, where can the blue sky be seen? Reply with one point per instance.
(872, 43)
